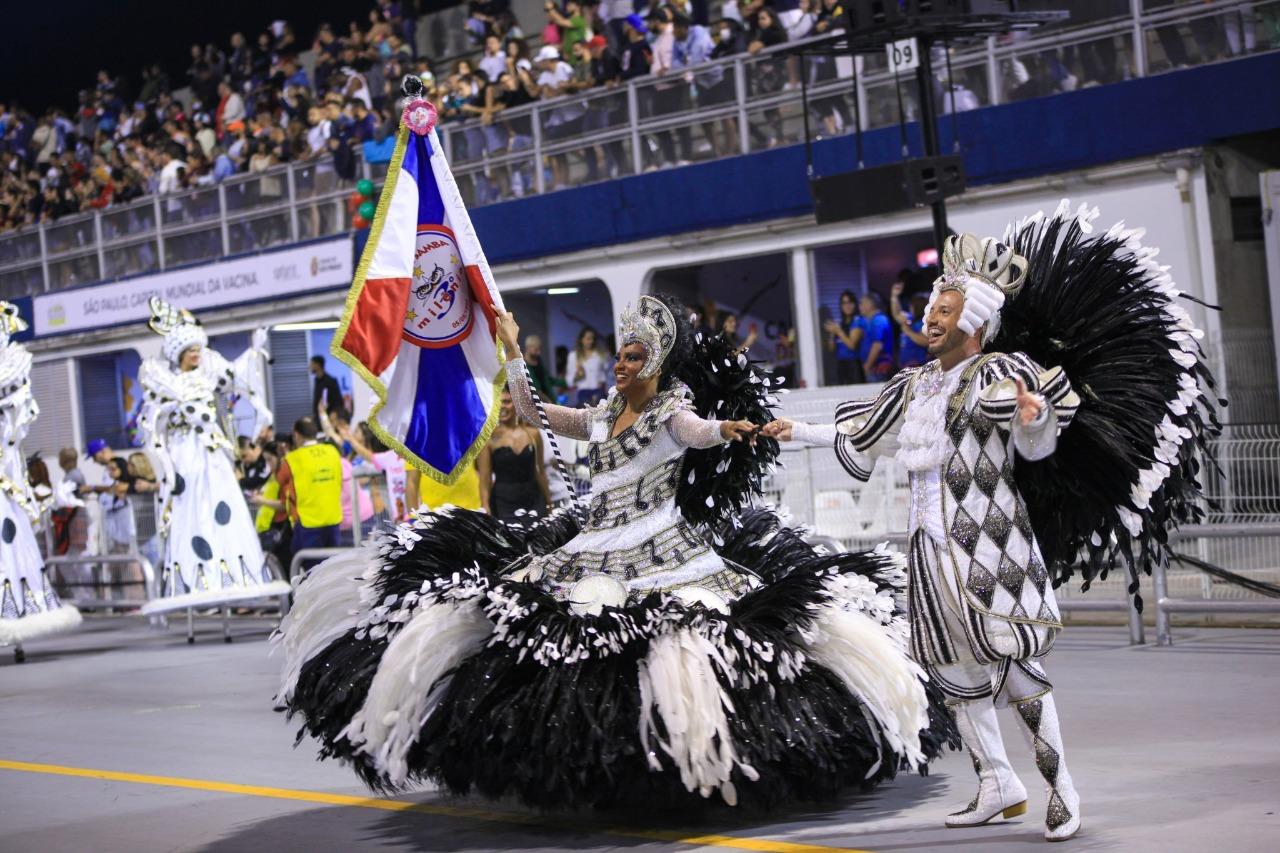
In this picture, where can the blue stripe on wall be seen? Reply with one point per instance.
(1102, 124)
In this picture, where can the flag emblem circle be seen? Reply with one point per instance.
(440, 312)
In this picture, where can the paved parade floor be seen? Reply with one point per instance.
(123, 739)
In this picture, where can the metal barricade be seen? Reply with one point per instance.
(104, 601)
(319, 555)
(368, 489)
(1207, 534)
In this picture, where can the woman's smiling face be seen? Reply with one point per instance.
(631, 360)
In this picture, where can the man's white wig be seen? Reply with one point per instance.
(985, 272)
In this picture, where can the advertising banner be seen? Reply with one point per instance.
(217, 285)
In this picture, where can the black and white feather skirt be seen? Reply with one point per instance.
(415, 660)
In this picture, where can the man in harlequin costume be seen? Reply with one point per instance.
(965, 425)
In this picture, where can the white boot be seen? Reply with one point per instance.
(1040, 719)
(1000, 793)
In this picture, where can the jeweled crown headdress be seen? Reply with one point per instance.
(180, 328)
(651, 324)
(986, 271)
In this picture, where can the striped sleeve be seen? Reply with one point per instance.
(858, 465)
(866, 422)
(998, 400)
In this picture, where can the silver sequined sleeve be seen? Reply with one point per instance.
(690, 430)
(573, 423)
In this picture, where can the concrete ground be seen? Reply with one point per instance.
(122, 738)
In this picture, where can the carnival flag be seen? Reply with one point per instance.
(419, 323)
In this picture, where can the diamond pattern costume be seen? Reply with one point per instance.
(992, 534)
(973, 549)
(980, 602)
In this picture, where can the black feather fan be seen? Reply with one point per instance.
(1126, 470)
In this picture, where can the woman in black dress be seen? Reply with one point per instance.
(512, 476)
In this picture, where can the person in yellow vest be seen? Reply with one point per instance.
(311, 485)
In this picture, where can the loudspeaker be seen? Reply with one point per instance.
(885, 189)
(865, 14)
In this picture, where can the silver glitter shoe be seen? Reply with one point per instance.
(1040, 721)
(1000, 793)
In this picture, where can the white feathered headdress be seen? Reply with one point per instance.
(10, 322)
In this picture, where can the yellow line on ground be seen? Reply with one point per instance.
(528, 819)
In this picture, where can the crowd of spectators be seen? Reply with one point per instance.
(873, 338)
(275, 97)
(240, 108)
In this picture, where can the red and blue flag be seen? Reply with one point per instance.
(419, 322)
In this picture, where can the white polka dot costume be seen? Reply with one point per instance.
(29, 606)
(211, 552)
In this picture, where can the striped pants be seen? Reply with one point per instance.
(942, 628)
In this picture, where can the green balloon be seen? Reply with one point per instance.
(367, 210)
(365, 187)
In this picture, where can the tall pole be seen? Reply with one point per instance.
(929, 129)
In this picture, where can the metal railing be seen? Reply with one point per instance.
(1200, 537)
(736, 105)
(313, 555)
(101, 583)
(1241, 479)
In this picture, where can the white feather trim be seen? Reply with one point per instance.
(40, 624)
(411, 679)
(1130, 519)
(326, 605)
(678, 680)
(876, 669)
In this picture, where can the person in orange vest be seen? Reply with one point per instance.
(311, 486)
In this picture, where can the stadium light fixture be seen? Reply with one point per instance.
(561, 291)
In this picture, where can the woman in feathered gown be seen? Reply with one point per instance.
(29, 606)
(211, 551)
(667, 643)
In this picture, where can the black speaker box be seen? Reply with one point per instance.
(885, 189)
(865, 14)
